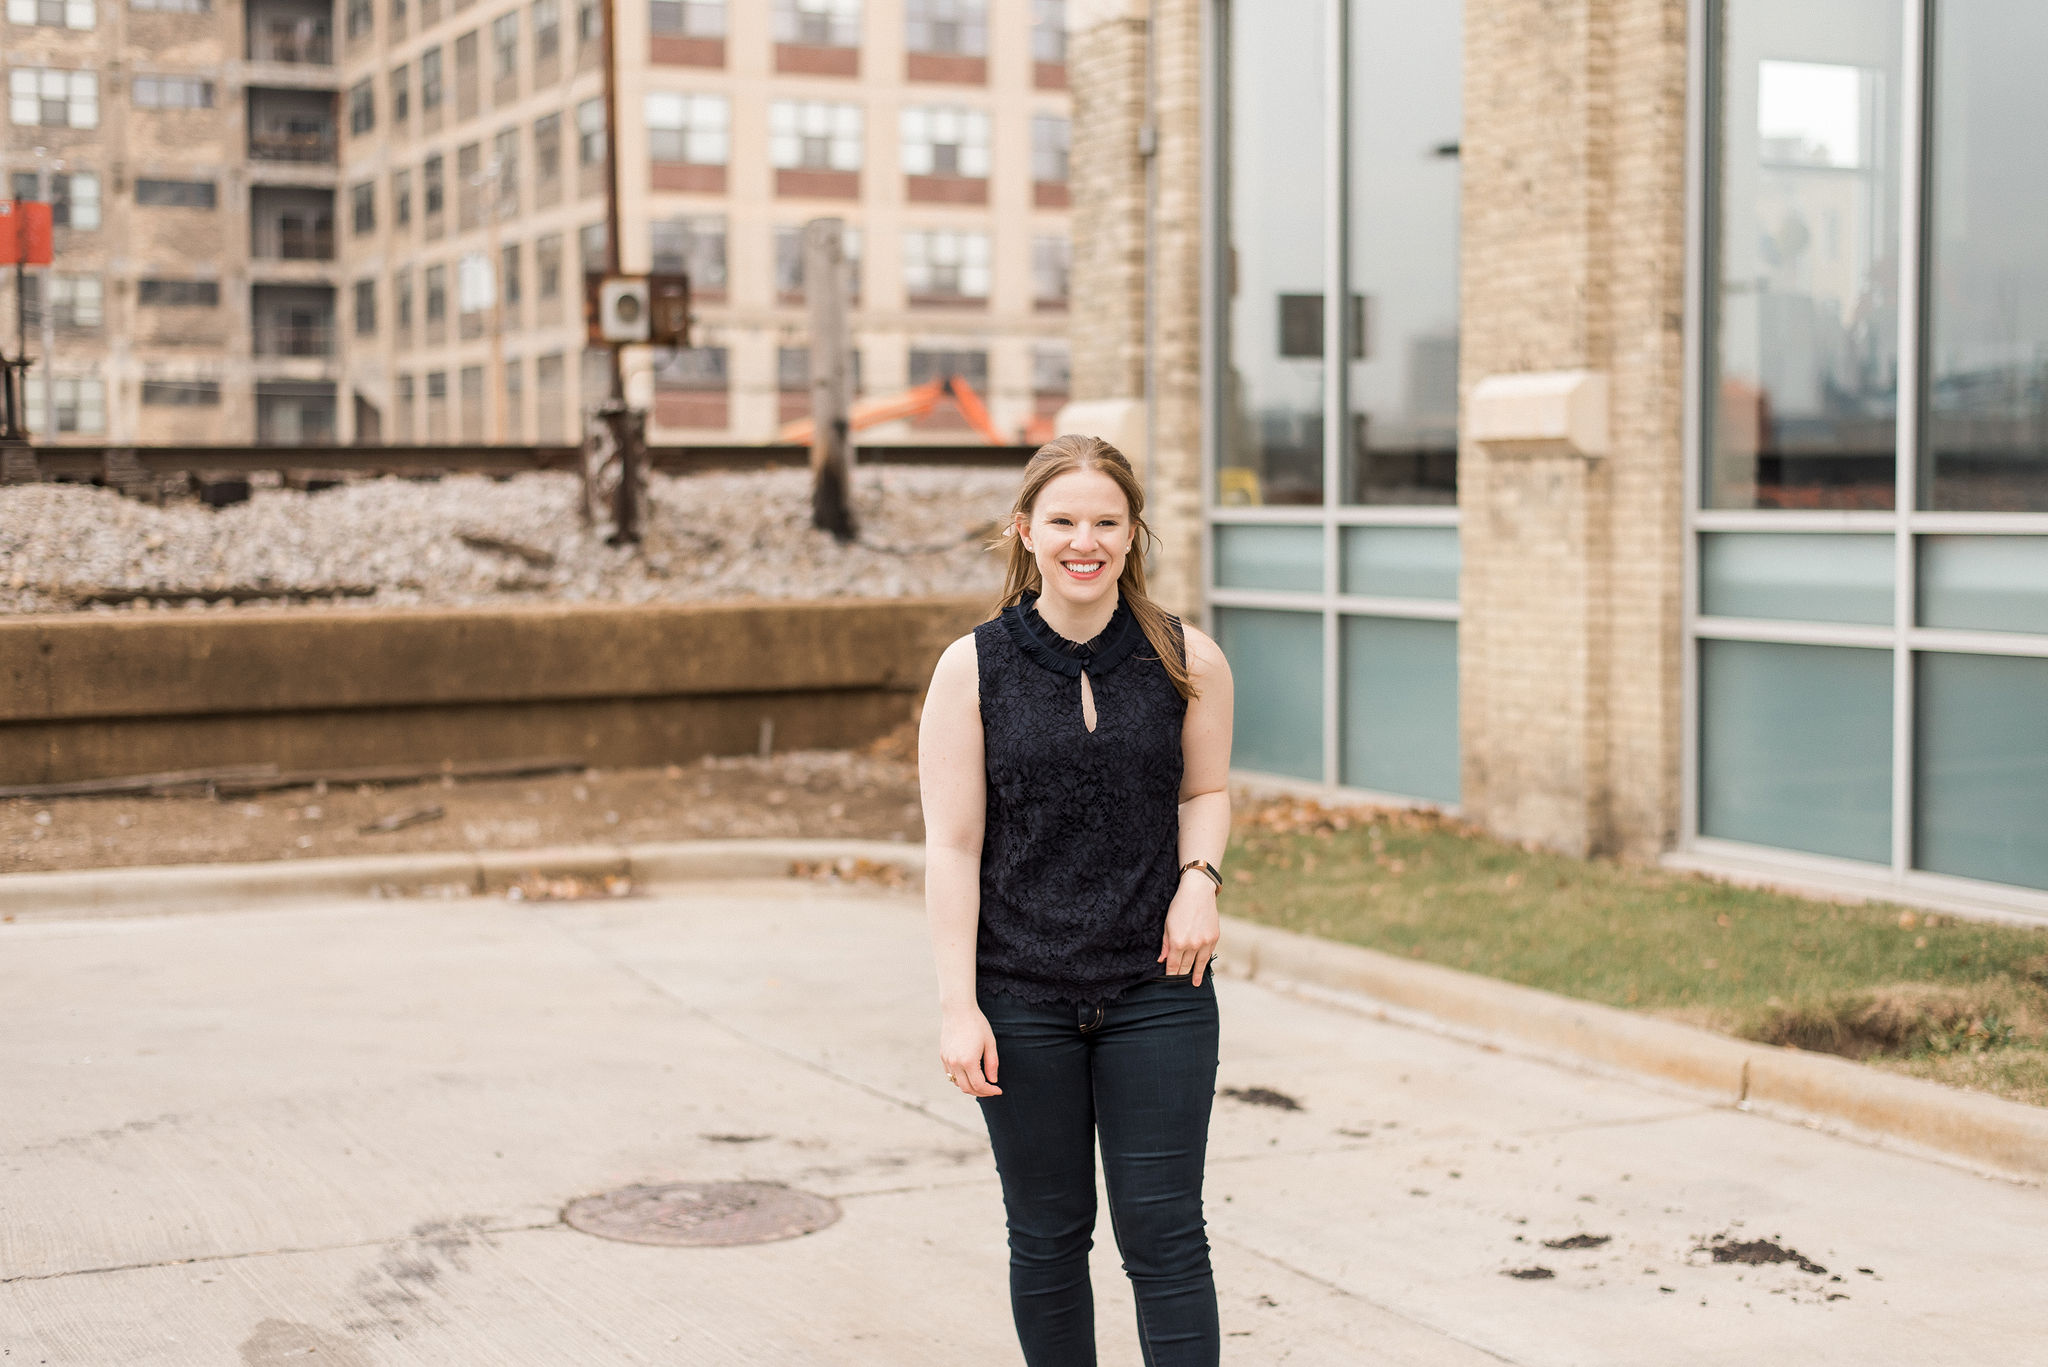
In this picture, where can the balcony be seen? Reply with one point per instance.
(291, 224)
(292, 321)
(296, 126)
(291, 42)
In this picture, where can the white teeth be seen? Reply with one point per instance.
(1084, 567)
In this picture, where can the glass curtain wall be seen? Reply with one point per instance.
(1871, 619)
(1333, 508)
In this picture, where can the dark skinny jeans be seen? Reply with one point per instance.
(1139, 1073)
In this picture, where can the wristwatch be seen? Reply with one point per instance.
(1206, 867)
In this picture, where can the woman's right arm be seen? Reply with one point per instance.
(955, 788)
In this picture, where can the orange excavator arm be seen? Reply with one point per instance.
(911, 403)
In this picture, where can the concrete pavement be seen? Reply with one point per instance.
(343, 1134)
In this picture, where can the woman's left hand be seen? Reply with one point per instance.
(1193, 927)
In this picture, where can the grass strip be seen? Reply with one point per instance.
(1957, 1001)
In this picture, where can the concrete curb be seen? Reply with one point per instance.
(152, 890)
(1987, 1132)
(1999, 1136)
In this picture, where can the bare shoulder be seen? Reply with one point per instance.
(1205, 657)
(957, 669)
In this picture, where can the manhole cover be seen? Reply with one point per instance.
(702, 1214)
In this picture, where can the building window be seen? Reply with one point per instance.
(171, 92)
(505, 46)
(1051, 370)
(74, 197)
(181, 393)
(362, 201)
(401, 93)
(590, 245)
(53, 99)
(76, 301)
(547, 151)
(793, 370)
(476, 289)
(81, 405)
(686, 18)
(76, 14)
(1051, 265)
(946, 28)
(432, 183)
(814, 135)
(942, 266)
(1049, 32)
(1049, 140)
(504, 170)
(818, 23)
(366, 308)
(590, 133)
(687, 128)
(547, 28)
(175, 194)
(362, 108)
(401, 199)
(509, 274)
(928, 364)
(695, 246)
(547, 265)
(398, 16)
(430, 80)
(188, 294)
(437, 294)
(401, 301)
(789, 262)
(693, 368)
(173, 6)
(945, 141)
(361, 17)
(589, 22)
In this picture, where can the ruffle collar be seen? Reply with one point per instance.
(1048, 648)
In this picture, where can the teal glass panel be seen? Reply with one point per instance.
(1793, 577)
(1270, 558)
(1401, 562)
(1276, 659)
(1984, 583)
(1796, 747)
(1399, 707)
(1981, 768)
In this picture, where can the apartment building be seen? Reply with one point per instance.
(270, 231)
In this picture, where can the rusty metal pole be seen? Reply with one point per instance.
(831, 430)
(628, 438)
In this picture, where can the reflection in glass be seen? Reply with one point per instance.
(1804, 268)
(1796, 747)
(1401, 562)
(1981, 768)
(1407, 109)
(1987, 300)
(1271, 407)
(1276, 660)
(1270, 558)
(1799, 578)
(1399, 716)
(1984, 583)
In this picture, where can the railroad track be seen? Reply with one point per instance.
(121, 465)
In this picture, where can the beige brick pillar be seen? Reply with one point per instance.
(1573, 264)
(1106, 66)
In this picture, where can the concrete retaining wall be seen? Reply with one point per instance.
(90, 696)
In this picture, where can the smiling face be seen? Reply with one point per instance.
(1079, 532)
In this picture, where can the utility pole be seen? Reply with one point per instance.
(628, 436)
(831, 463)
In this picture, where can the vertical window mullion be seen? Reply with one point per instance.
(1336, 287)
(1913, 219)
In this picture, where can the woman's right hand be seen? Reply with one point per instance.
(967, 1051)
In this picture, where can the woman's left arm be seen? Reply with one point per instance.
(1192, 922)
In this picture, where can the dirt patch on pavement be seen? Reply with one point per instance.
(803, 793)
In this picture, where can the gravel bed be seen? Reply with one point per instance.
(470, 539)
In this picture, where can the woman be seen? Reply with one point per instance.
(1074, 754)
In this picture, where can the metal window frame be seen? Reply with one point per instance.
(1330, 604)
(1904, 637)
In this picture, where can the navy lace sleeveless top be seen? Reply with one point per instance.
(1080, 856)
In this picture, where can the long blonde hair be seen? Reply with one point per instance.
(1058, 457)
